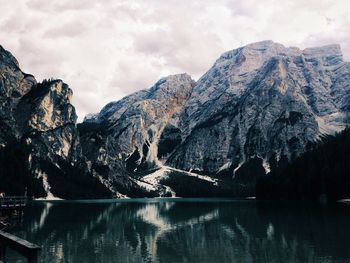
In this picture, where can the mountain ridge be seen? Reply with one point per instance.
(292, 80)
(257, 106)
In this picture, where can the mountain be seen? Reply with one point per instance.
(256, 108)
(258, 105)
(129, 132)
(265, 101)
(39, 143)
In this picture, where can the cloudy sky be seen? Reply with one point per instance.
(109, 48)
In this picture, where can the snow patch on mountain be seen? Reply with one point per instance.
(262, 100)
(47, 187)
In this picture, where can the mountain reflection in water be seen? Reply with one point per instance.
(178, 230)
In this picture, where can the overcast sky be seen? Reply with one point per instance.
(108, 49)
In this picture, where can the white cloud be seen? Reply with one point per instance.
(107, 49)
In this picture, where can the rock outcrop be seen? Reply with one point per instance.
(39, 141)
(263, 100)
(122, 141)
(257, 106)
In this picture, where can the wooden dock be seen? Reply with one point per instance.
(25, 248)
(13, 202)
(9, 204)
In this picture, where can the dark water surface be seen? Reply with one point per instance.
(186, 230)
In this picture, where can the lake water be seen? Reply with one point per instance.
(186, 230)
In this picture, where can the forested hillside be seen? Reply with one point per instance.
(322, 172)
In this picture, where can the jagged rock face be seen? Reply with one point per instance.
(39, 141)
(46, 121)
(263, 100)
(46, 116)
(51, 108)
(13, 85)
(142, 123)
(257, 105)
(129, 130)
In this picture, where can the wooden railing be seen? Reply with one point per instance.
(25, 248)
(13, 202)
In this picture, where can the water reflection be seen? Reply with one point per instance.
(187, 232)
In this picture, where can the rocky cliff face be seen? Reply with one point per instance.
(265, 101)
(13, 85)
(121, 143)
(258, 105)
(39, 142)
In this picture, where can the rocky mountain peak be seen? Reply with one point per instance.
(252, 56)
(256, 107)
(324, 51)
(7, 58)
(52, 107)
(253, 90)
(173, 85)
(328, 55)
(39, 141)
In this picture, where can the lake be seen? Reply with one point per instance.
(186, 230)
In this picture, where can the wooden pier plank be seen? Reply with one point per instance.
(27, 249)
(13, 202)
(7, 240)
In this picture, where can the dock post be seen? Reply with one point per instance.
(33, 257)
(2, 253)
(25, 248)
